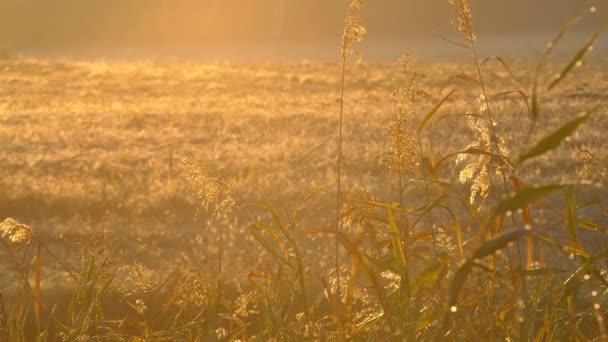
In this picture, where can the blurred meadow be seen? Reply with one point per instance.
(451, 197)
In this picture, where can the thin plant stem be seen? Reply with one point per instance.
(338, 222)
(220, 255)
(489, 112)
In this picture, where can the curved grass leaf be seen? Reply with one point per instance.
(487, 248)
(458, 281)
(575, 60)
(434, 110)
(574, 281)
(571, 219)
(525, 197)
(463, 77)
(498, 242)
(503, 62)
(590, 225)
(535, 104)
(521, 94)
(553, 140)
(474, 151)
(539, 272)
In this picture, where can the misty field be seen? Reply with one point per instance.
(103, 156)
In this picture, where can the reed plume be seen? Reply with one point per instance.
(15, 232)
(479, 170)
(401, 153)
(354, 28)
(464, 18)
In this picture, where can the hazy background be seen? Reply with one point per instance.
(262, 29)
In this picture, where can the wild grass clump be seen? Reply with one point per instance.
(469, 245)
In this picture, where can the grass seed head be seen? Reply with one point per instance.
(359, 213)
(588, 168)
(464, 18)
(211, 192)
(481, 167)
(400, 155)
(401, 152)
(354, 28)
(15, 232)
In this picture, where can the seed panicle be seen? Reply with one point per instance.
(354, 28)
(464, 18)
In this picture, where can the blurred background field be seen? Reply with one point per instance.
(100, 145)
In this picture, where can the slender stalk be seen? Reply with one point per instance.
(405, 232)
(489, 111)
(220, 254)
(338, 222)
(431, 221)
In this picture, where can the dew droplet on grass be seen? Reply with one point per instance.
(453, 308)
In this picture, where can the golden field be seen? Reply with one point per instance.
(108, 149)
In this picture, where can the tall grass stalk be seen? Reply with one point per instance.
(354, 30)
(338, 221)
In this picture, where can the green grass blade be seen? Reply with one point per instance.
(554, 139)
(576, 60)
(434, 110)
(524, 198)
(458, 281)
(498, 242)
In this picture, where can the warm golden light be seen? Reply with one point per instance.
(321, 170)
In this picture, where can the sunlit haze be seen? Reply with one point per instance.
(303, 170)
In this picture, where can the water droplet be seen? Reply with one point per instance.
(509, 213)
(571, 256)
(579, 63)
(594, 293)
(528, 227)
(596, 306)
(592, 9)
(586, 277)
(520, 211)
(453, 308)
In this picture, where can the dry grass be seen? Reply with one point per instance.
(132, 183)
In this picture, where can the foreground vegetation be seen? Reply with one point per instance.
(150, 201)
